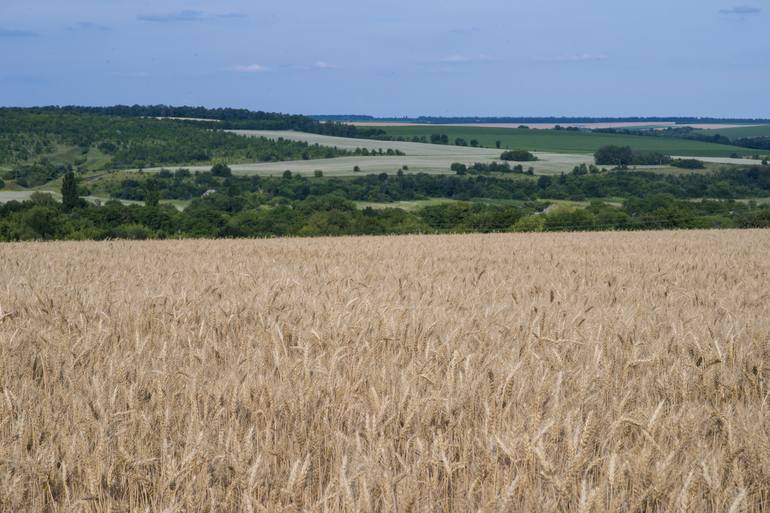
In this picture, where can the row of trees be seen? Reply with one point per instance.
(223, 119)
(480, 168)
(224, 214)
(624, 156)
(583, 182)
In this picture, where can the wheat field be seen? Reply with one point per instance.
(604, 372)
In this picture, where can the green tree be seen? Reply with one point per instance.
(69, 191)
(222, 170)
(151, 193)
(580, 170)
(619, 156)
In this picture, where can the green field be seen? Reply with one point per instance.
(418, 157)
(737, 133)
(564, 141)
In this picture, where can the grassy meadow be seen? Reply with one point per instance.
(738, 132)
(596, 372)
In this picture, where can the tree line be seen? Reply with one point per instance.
(584, 182)
(220, 118)
(233, 213)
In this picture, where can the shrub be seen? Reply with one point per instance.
(529, 224)
(131, 231)
(518, 156)
(688, 164)
(221, 170)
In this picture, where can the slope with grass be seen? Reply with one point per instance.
(739, 132)
(567, 141)
(92, 141)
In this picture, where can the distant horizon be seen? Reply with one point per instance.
(481, 118)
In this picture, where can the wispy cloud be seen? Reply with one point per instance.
(250, 68)
(741, 10)
(16, 33)
(458, 58)
(187, 16)
(132, 74)
(455, 58)
(465, 31)
(230, 15)
(581, 57)
(173, 17)
(324, 65)
(89, 26)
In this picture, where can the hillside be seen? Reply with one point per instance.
(566, 141)
(92, 141)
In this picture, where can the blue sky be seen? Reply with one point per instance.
(394, 57)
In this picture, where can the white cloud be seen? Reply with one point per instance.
(15, 33)
(741, 10)
(131, 74)
(459, 57)
(187, 15)
(582, 57)
(88, 25)
(455, 58)
(324, 65)
(250, 68)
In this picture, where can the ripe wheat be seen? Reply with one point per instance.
(605, 372)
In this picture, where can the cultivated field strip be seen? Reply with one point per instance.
(531, 373)
(422, 157)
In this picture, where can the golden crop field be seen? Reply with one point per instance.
(604, 372)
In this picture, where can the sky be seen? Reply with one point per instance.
(393, 57)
